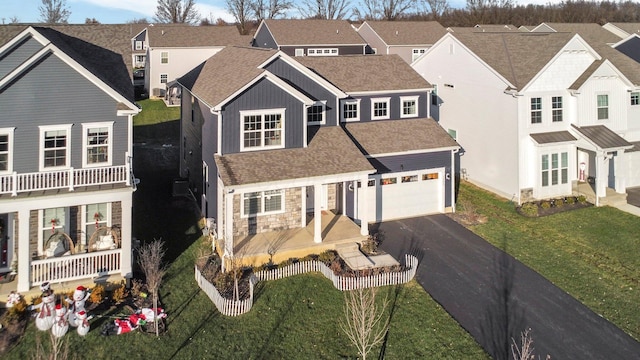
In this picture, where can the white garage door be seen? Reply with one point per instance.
(633, 168)
(402, 195)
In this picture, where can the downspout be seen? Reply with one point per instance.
(453, 180)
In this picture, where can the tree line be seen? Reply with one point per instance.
(248, 13)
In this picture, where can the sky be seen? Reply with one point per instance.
(121, 11)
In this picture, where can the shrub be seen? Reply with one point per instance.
(529, 209)
(97, 294)
(120, 293)
(137, 287)
(558, 202)
(336, 266)
(545, 204)
(571, 200)
(582, 199)
(327, 257)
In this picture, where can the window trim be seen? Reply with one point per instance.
(262, 212)
(343, 103)
(417, 51)
(164, 57)
(85, 128)
(262, 113)
(409, 98)
(88, 220)
(323, 52)
(43, 129)
(634, 98)
(42, 226)
(138, 44)
(166, 76)
(560, 170)
(385, 100)
(9, 131)
(557, 112)
(537, 111)
(598, 107)
(323, 104)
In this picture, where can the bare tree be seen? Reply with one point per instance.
(58, 350)
(524, 350)
(270, 9)
(324, 9)
(394, 9)
(91, 21)
(138, 21)
(363, 322)
(368, 10)
(242, 13)
(13, 20)
(54, 11)
(177, 12)
(150, 261)
(436, 7)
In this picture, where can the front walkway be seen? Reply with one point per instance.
(495, 297)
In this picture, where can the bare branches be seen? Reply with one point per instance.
(150, 261)
(270, 9)
(324, 9)
(524, 351)
(177, 12)
(242, 12)
(54, 11)
(363, 319)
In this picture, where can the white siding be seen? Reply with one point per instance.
(181, 61)
(562, 72)
(604, 81)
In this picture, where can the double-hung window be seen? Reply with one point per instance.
(55, 147)
(138, 45)
(603, 107)
(97, 144)
(53, 226)
(351, 110)
(409, 106)
(316, 114)
(415, 53)
(262, 202)
(262, 129)
(164, 78)
(164, 57)
(556, 108)
(380, 108)
(555, 169)
(6, 150)
(536, 110)
(635, 98)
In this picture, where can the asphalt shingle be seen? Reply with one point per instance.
(408, 32)
(313, 32)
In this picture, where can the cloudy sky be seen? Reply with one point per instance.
(121, 11)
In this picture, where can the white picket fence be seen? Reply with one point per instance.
(343, 283)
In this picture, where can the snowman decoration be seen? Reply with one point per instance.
(46, 317)
(80, 296)
(82, 323)
(61, 325)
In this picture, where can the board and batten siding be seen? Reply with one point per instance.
(416, 162)
(264, 39)
(394, 105)
(263, 95)
(18, 54)
(308, 86)
(52, 93)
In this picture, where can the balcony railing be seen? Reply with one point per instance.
(75, 267)
(64, 179)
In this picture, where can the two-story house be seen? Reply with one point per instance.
(310, 37)
(65, 159)
(277, 143)
(409, 39)
(536, 124)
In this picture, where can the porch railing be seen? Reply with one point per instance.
(75, 267)
(49, 180)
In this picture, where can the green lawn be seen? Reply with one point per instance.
(591, 253)
(155, 111)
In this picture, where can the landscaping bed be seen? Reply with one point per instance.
(552, 206)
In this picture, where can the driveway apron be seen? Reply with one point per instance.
(495, 297)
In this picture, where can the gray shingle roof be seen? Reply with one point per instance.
(553, 137)
(408, 32)
(630, 28)
(517, 56)
(330, 152)
(591, 32)
(225, 73)
(603, 137)
(394, 136)
(483, 28)
(313, 32)
(195, 36)
(357, 73)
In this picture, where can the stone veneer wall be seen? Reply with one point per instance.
(33, 232)
(289, 219)
(331, 197)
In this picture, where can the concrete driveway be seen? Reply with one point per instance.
(495, 297)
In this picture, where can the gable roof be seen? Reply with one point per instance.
(363, 73)
(591, 32)
(516, 56)
(629, 28)
(168, 35)
(312, 32)
(399, 136)
(330, 152)
(483, 28)
(407, 32)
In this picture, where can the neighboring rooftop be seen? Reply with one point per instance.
(313, 32)
(483, 28)
(361, 73)
(629, 28)
(408, 32)
(167, 35)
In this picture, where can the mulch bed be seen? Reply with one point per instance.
(552, 206)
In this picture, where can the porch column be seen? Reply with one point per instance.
(228, 224)
(303, 201)
(364, 205)
(24, 258)
(125, 238)
(317, 213)
(620, 171)
(601, 176)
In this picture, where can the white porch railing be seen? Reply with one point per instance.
(75, 267)
(48, 180)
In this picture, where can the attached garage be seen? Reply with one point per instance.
(402, 195)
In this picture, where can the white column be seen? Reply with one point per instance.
(228, 224)
(317, 213)
(601, 177)
(125, 232)
(364, 206)
(24, 258)
(620, 171)
(303, 201)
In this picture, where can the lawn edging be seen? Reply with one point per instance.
(230, 307)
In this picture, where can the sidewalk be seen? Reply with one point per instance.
(629, 209)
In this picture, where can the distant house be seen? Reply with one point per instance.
(409, 39)
(173, 50)
(283, 149)
(309, 37)
(544, 123)
(623, 30)
(65, 159)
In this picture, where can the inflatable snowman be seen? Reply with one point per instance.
(80, 296)
(82, 323)
(61, 325)
(47, 316)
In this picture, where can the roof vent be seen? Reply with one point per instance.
(337, 31)
(162, 32)
(396, 32)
